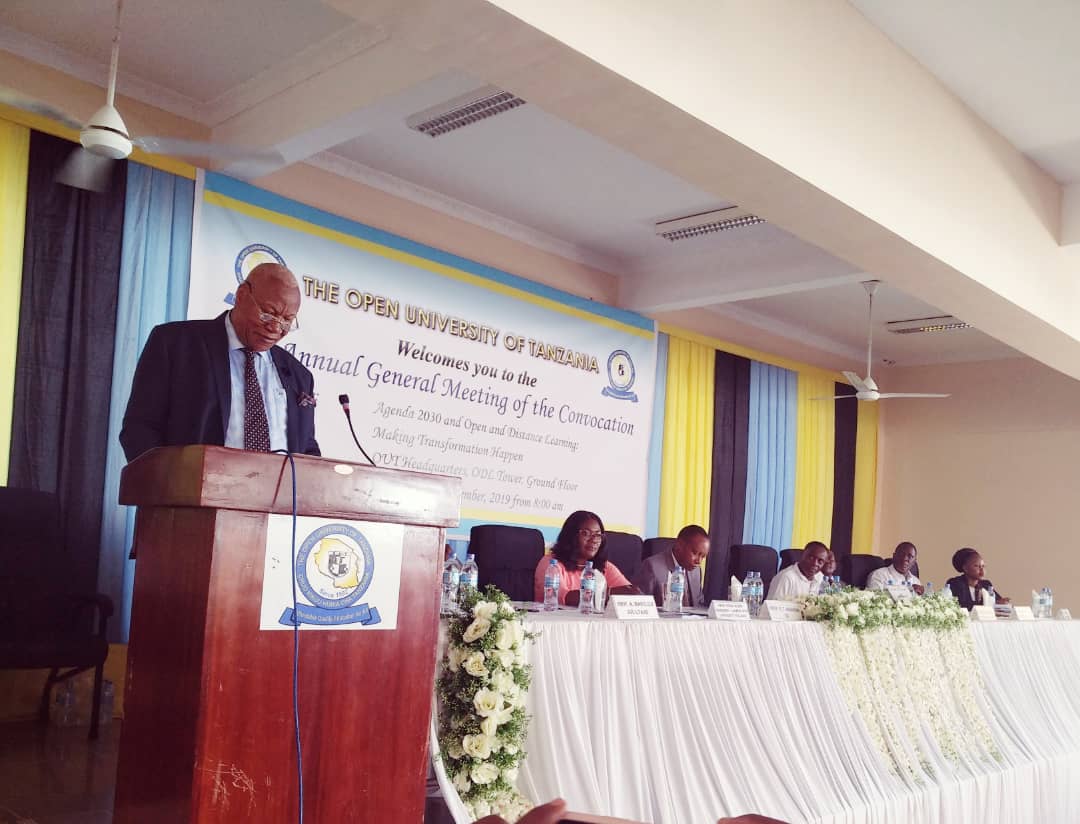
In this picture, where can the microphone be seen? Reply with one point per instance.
(344, 401)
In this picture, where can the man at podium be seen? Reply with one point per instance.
(225, 381)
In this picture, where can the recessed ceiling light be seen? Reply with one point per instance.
(705, 223)
(463, 111)
(937, 323)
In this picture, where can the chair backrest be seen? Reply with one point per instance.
(857, 568)
(747, 557)
(656, 545)
(33, 560)
(625, 549)
(506, 556)
(789, 557)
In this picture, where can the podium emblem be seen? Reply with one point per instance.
(334, 568)
(621, 376)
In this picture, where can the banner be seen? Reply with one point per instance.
(539, 400)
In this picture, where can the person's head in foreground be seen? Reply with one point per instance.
(830, 564)
(691, 547)
(580, 540)
(903, 557)
(266, 306)
(813, 558)
(970, 564)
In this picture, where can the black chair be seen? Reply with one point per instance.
(47, 623)
(624, 550)
(856, 568)
(506, 556)
(747, 557)
(655, 545)
(790, 556)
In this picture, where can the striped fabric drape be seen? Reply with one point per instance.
(815, 447)
(656, 439)
(688, 436)
(14, 159)
(865, 496)
(155, 265)
(771, 456)
(846, 412)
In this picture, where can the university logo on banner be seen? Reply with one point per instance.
(346, 574)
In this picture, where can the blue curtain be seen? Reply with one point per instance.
(155, 263)
(656, 440)
(770, 472)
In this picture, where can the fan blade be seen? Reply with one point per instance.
(836, 398)
(911, 395)
(257, 159)
(85, 170)
(10, 97)
(855, 380)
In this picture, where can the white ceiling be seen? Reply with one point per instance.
(1016, 64)
(524, 173)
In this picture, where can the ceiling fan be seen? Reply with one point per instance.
(865, 388)
(105, 137)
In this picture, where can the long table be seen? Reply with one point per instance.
(682, 721)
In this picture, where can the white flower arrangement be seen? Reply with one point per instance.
(908, 669)
(482, 692)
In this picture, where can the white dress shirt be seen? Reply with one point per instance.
(789, 583)
(879, 578)
(272, 391)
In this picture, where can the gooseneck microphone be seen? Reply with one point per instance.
(344, 401)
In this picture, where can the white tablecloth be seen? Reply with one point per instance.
(684, 721)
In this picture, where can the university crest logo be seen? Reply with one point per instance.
(248, 258)
(621, 375)
(334, 568)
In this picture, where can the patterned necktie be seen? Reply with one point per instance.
(256, 429)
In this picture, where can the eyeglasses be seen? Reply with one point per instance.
(590, 535)
(276, 322)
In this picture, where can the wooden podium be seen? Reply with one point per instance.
(208, 723)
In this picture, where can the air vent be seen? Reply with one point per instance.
(938, 323)
(704, 223)
(463, 111)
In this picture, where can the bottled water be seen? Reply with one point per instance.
(551, 586)
(451, 576)
(989, 597)
(108, 702)
(929, 588)
(748, 592)
(468, 576)
(1047, 602)
(64, 712)
(586, 603)
(676, 586)
(758, 593)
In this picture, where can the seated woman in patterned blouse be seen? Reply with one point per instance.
(580, 540)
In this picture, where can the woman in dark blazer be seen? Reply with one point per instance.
(968, 587)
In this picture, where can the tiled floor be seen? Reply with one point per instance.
(51, 775)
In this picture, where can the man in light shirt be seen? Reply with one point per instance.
(899, 571)
(802, 578)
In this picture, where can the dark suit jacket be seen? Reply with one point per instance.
(959, 588)
(182, 391)
(652, 576)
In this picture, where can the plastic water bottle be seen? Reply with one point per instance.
(451, 576)
(989, 597)
(928, 589)
(551, 586)
(586, 602)
(759, 594)
(468, 576)
(64, 712)
(1047, 602)
(108, 700)
(676, 588)
(748, 592)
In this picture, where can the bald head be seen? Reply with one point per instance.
(266, 306)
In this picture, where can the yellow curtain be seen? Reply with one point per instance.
(866, 435)
(814, 445)
(686, 466)
(14, 159)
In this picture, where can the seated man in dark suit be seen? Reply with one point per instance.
(690, 548)
(225, 381)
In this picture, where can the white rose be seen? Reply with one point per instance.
(519, 699)
(511, 749)
(502, 681)
(484, 773)
(506, 608)
(454, 657)
(477, 629)
(519, 633)
(510, 774)
(504, 635)
(477, 746)
(480, 808)
(485, 609)
(461, 782)
(474, 664)
(455, 751)
(489, 726)
(852, 609)
(519, 657)
(505, 657)
(504, 715)
(487, 702)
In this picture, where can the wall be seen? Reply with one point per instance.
(994, 467)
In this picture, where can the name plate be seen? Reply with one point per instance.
(1022, 614)
(984, 612)
(781, 611)
(633, 607)
(729, 611)
(1064, 615)
(899, 593)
